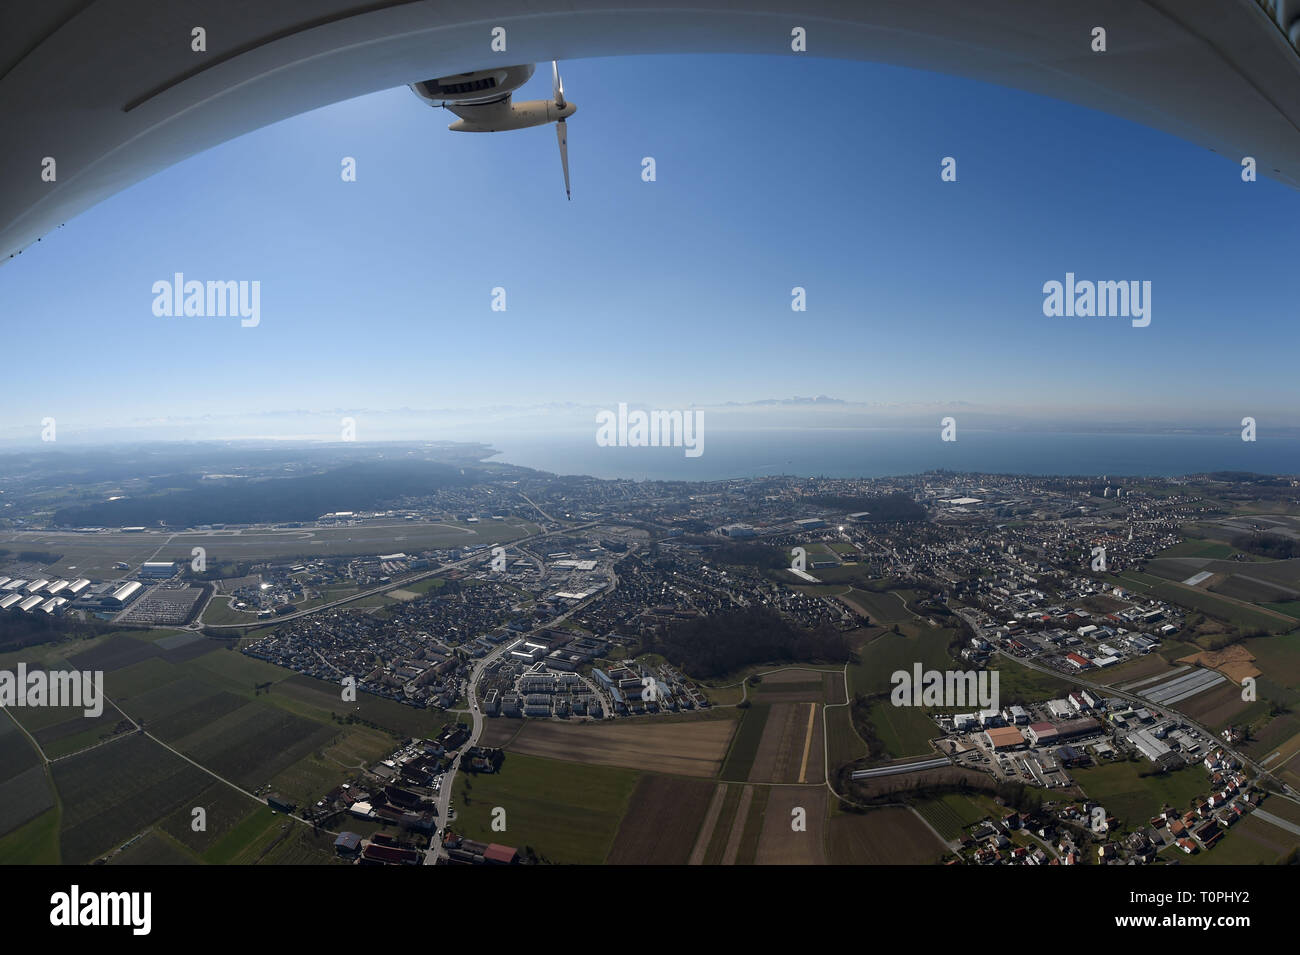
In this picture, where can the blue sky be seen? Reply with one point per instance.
(772, 173)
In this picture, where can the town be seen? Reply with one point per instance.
(517, 601)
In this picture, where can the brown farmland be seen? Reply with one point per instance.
(705, 837)
(785, 740)
(883, 837)
(662, 821)
(792, 686)
(779, 843)
(686, 748)
(1216, 706)
(1235, 662)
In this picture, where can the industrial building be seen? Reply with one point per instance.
(1074, 729)
(125, 594)
(1150, 747)
(1004, 738)
(739, 531)
(1042, 734)
(158, 568)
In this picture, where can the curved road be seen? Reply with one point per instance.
(435, 851)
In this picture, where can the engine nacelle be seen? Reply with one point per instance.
(479, 86)
(536, 112)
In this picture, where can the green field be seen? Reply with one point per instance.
(34, 843)
(1289, 607)
(1134, 580)
(885, 608)
(111, 793)
(56, 655)
(744, 745)
(424, 586)
(888, 652)
(1239, 614)
(218, 611)
(1019, 684)
(223, 807)
(1134, 799)
(843, 745)
(951, 813)
(250, 721)
(1198, 548)
(155, 848)
(1246, 843)
(1278, 656)
(722, 829)
(753, 826)
(567, 812)
(267, 836)
(905, 730)
(16, 752)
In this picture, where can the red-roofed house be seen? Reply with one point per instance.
(502, 855)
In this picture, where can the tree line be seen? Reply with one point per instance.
(712, 646)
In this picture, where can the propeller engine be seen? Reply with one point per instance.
(482, 100)
(561, 128)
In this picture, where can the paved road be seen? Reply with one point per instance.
(435, 851)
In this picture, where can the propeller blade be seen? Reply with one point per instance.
(557, 84)
(562, 137)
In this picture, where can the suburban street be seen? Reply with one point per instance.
(443, 802)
